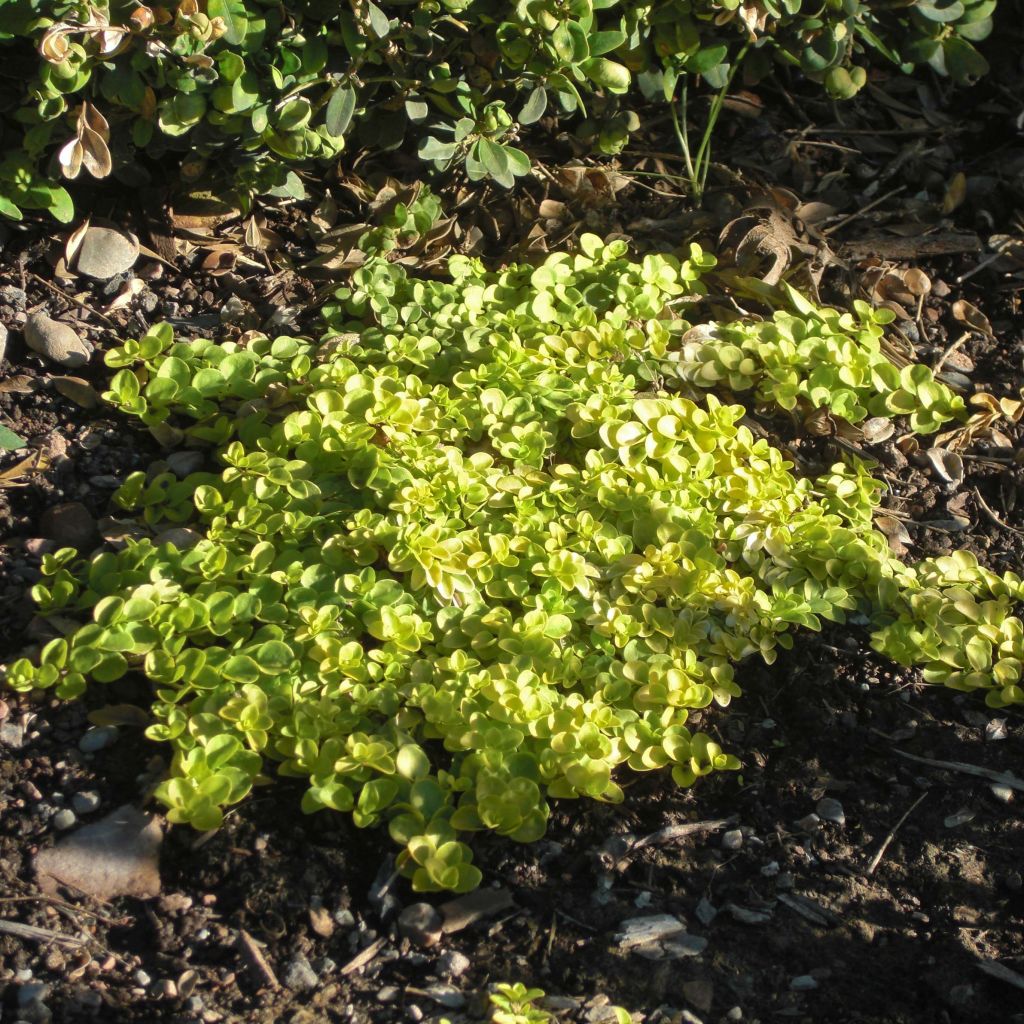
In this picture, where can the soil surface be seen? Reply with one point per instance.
(859, 869)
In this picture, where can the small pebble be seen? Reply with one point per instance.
(344, 919)
(299, 976)
(736, 1013)
(453, 964)
(996, 729)
(35, 992)
(64, 819)
(140, 977)
(388, 994)
(97, 738)
(803, 983)
(1002, 792)
(86, 802)
(961, 817)
(771, 869)
(706, 911)
(830, 809)
(421, 924)
(732, 840)
(414, 1013)
(809, 823)
(13, 296)
(55, 341)
(447, 996)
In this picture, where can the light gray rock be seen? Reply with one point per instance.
(453, 964)
(299, 976)
(421, 924)
(86, 802)
(642, 931)
(732, 840)
(106, 252)
(803, 983)
(706, 911)
(55, 341)
(64, 819)
(97, 738)
(830, 809)
(3, 342)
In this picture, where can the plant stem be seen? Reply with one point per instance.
(697, 169)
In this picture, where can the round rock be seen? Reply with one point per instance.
(97, 738)
(86, 802)
(55, 341)
(70, 525)
(421, 924)
(106, 252)
(64, 819)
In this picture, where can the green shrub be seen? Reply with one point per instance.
(276, 84)
(485, 545)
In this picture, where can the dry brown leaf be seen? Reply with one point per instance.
(895, 533)
(95, 153)
(79, 391)
(969, 314)
(948, 465)
(22, 471)
(18, 384)
(917, 281)
(127, 292)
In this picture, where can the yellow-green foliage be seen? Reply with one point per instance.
(468, 553)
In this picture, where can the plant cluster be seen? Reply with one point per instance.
(475, 550)
(820, 359)
(278, 83)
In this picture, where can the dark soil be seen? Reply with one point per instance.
(802, 927)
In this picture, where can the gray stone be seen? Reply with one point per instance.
(447, 996)
(641, 931)
(700, 994)
(747, 916)
(86, 802)
(12, 734)
(119, 855)
(10, 295)
(183, 463)
(388, 994)
(3, 342)
(706, 911)
(736, 1013)
(299, 976)
(1002, 792)
(71, 525)
(809, 823)
(55, 341)
(106, 252)
(63, 820)
(732, 840)
(803, 983)
(453, 964)
(34, 992)
(97, 738)
(140, 977)
(830, 809)
(421, 924)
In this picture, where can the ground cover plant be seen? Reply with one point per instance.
(275, 85)
(496, 539)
